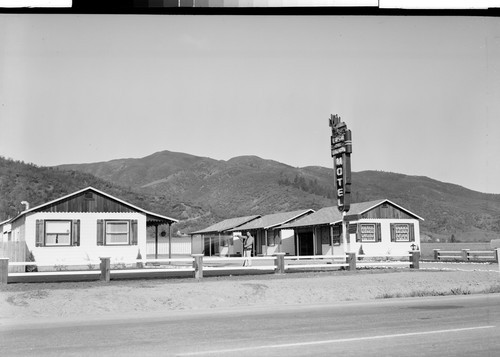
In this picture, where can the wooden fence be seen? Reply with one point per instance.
(15, 251)
(197, 266)
(467, 255)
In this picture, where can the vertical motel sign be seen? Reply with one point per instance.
(341, 152)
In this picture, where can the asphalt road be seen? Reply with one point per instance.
(437, 326)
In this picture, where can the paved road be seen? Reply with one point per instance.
(438, 326)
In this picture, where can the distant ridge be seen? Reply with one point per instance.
(201, 191)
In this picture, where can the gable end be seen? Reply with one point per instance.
(387, 210)
(87, 201)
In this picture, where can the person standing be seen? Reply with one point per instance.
(247, 249)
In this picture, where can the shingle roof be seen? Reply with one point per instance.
(227, 224)
(331, 215)
(326, 215)
(273, 220)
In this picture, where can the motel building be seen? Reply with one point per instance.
(380, 227)
(80, 227)
(222, 239)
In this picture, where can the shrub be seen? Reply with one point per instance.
(360, 252)
(31, 268)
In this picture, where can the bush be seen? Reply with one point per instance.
(31, 268)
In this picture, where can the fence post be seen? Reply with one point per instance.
(280, 263)
(415, 259)
(105, 269)
(4, 270)
(351, 260)
(497, 256)
(198, 266)
(436, 254)
(465, 254)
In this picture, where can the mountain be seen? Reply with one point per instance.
(202, 191)
(28, 182)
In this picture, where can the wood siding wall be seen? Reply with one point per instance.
(386, 211)
(87, 202)
(16, 252)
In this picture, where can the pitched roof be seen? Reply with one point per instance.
(331, 215)
(273, 220)
(150, 215)
(227, 224)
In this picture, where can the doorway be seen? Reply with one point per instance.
(306, 244)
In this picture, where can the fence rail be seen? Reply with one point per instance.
(467, 255)
(194, 266)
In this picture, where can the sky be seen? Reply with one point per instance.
(420, 94)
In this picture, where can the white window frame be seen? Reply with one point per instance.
(46, 233)
(106, 233)
(364, 239)
(407, 239)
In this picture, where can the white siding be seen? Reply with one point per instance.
(88, 249)
(385, 247)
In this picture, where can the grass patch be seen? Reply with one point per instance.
(423, 293)
(494, 289)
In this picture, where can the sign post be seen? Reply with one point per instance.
(341, 149)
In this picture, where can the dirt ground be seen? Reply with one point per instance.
(20, 302)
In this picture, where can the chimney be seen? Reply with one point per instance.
(26, 203)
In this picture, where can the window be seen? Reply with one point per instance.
(337, 234)
(367, 232)
(57, 233)
(273, 238)
(117, 232)
(324, 233)
(402, 232)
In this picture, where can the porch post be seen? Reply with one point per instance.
(280, 237)
(331, 237)
(265, 237)
(315, 244)
(169, 241)
(296, 238)
(156, 240)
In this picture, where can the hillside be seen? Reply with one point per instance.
(27, 182)
(203, 190)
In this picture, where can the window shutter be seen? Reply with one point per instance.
(75, 233)
(40, 233)
(378, 232)
(353, 228)
(100, 232)
(133, 232)
(393, 233)
(412, 233)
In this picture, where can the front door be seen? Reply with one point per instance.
(306, 245)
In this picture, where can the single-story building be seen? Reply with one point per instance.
(217, 240)
(83, 226)
(268, 239)
(378, 227)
